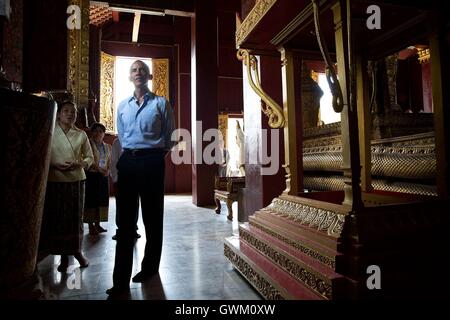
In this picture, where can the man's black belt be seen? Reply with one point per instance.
(144, 152)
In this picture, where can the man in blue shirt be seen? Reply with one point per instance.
(145, 123)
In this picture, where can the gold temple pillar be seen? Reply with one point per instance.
(349, 123)
(364, 118)
(290, 129)
(78, 60)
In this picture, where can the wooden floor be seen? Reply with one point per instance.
(193, 266)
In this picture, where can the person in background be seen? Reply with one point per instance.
(115, 155)
(97, 181)
(62, 225)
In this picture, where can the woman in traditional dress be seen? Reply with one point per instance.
(71, 153)
(97, 181)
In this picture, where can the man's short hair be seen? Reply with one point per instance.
(144, 65)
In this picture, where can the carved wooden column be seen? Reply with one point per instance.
(349, 122)
(364, 116)
(293, 185)
(439, 50)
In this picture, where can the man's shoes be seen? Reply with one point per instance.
(144, 275)
(64, 264)
(118, 291)
(63, 267)
(136, 236)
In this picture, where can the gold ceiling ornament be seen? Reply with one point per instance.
(78, 56)
(254, 16)
(424, 55)
(99, 15)
(269, 107)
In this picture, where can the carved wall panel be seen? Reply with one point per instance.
(160, 83)
(223, 127)
(107, 115)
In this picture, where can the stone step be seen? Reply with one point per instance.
(271, 281)
(318, 277)
(295, 230)
(317, 244)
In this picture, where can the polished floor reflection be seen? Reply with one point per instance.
(193, 266)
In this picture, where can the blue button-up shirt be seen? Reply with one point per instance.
(147, 126)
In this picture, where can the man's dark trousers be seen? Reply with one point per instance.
(140, 175)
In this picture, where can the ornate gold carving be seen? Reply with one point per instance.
(78, 52)
(317, 218)
(334, 183)
(297, 269)
(160, 82)
(264, 287)
(254, 16)
(412, 162)
(297, 245)
(288, 179)
(424, 55)
(107, 115)
(98, 15)
(269, 107)
(223, 127)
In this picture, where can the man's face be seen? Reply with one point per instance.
(139, 75)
